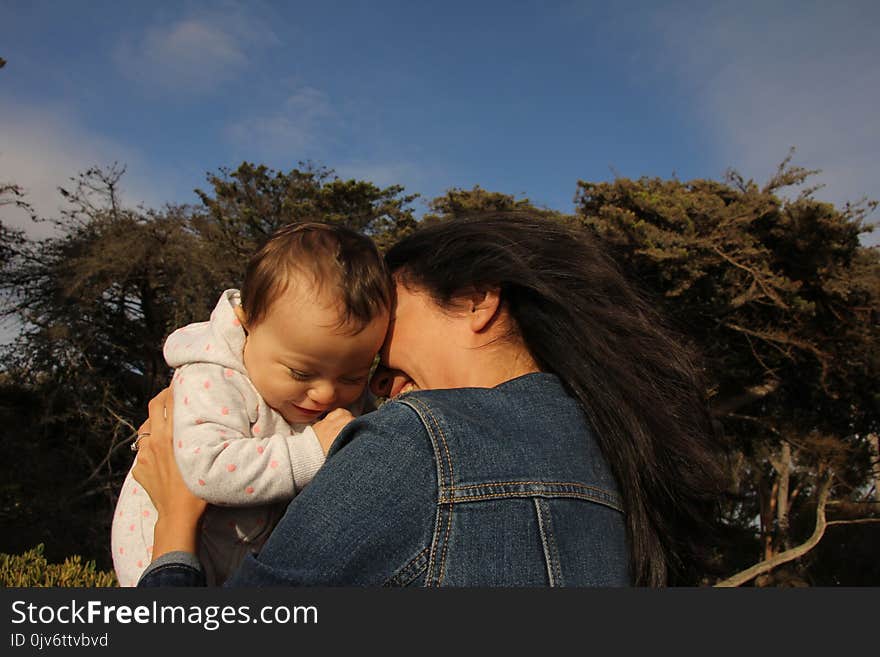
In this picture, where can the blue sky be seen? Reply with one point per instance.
(520, 97)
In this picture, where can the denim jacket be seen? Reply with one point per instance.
(501, 486)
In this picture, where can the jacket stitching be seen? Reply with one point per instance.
(543, 483)
(548, 540)
(442, 568)
(557, 562)
(441, 477)
(600, 493)
(422, 410)
(409, 571)
(544, 541)
(495, 496)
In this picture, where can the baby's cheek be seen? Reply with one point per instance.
(351, 394)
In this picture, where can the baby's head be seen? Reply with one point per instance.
(315, 304)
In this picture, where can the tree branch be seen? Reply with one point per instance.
(756, 277)
(795, 552)
(750, 394)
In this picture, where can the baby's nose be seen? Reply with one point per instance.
(323, 394)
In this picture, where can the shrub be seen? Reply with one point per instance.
(32, 569)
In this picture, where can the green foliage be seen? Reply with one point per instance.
(460, 202)
(247, 205)
(32, 569)
(783, 301)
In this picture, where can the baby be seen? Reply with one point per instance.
(251, 384)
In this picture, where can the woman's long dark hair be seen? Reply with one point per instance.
(581, 320)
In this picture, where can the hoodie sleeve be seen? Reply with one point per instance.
(220, 459)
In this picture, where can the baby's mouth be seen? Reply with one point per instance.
(308, 411)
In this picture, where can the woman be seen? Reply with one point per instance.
(544, 430)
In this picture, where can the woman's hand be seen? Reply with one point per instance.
(156, 470)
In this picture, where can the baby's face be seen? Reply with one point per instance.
(301, 363)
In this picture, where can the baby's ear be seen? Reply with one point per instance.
(240, 315)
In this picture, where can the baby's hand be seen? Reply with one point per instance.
(328, 428)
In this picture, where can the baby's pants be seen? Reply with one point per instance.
(228, 534)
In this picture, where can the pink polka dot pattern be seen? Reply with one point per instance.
(235, 322)
(179, 444)
(146, 513)
(273, 464)
(207, 384)
(201, 482)
(231, 467)
(260, 449)
(186, 400)
(224, 411)
(256, 428)
(228, 373)
(249, 490)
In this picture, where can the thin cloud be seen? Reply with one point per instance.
(802, 75)
(41, 148)
(194, 54)
(304, 120)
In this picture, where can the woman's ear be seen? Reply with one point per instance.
(483, 306)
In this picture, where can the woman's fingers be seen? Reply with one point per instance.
(156, 468)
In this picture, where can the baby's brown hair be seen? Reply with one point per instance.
(333, 255)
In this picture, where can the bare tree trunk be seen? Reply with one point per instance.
(767, 500)
(795, 552)
(782, 465)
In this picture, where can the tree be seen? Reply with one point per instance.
(96, 303)
(783, 302)
(245, 206)
(460, 202)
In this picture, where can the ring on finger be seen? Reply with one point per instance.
(134, 446)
